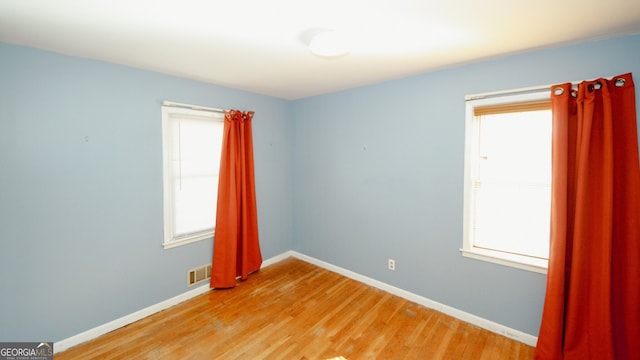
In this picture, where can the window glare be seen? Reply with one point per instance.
(507, 204)
(515, 146)
(499, 227)
(514, 183)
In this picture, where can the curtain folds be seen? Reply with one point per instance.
(236, 247)
(592, 303)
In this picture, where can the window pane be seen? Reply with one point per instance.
(513, 218)
(513, 185)
(200, 144)
(516, 147)
(195, 204)
(195, 163)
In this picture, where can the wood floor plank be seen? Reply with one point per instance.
(295, 310)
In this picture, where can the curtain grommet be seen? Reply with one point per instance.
(620, 82)
(558, 91)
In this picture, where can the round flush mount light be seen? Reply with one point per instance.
(329, 44)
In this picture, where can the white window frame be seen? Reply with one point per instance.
(471, 147)
(169, 110)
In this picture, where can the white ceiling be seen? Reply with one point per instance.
(261, 45)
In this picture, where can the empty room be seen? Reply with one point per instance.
(384, 180)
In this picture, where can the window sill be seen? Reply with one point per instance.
(186, 240)
(506, 259)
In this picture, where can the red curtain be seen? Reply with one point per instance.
(592, 304)
(236, 249)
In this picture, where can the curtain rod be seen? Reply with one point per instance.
(524, 90)
(192, 107)
(508, 92)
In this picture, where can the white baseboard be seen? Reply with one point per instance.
(91, 334)
(278, 258)
(67, 343)
(456, 313)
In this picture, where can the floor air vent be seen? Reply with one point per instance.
(199, 274)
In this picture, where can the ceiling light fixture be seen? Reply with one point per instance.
(329, 44)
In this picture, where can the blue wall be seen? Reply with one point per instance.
(379, 174)
(81, 190)
(351, 178)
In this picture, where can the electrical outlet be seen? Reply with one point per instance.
(391, 264)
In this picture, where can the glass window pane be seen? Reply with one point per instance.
(516, 147)
(513, 218)
(195, 150)
(195, 204)
(513, 184)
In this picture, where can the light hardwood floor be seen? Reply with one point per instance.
(295, 310)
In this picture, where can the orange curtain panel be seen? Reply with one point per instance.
(592, 303)
(236, 248)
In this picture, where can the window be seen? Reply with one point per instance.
(508, 180)
(191, 142)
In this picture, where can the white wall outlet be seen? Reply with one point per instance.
(391, 264)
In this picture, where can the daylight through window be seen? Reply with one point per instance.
(192, 142)
(508, 180)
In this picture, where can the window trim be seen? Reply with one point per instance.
(468, 249)
(169, 108)
(502, 258)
